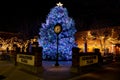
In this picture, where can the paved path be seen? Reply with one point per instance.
(10, 72)
(107, 72)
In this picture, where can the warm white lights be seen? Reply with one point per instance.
(59, 4)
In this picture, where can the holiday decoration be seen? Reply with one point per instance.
(48, 37)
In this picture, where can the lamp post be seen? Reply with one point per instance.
(57, 30)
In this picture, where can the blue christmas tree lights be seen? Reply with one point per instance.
(47, 39)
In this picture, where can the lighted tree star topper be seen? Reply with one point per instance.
(59, 4)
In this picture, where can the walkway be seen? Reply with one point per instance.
(10, 72)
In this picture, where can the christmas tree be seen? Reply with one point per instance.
(48, 37)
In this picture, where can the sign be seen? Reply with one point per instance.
(26, 59)
(88, 60)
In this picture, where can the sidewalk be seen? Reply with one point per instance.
(107, 72)
(11, 72)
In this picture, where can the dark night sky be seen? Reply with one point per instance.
(27, 15)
